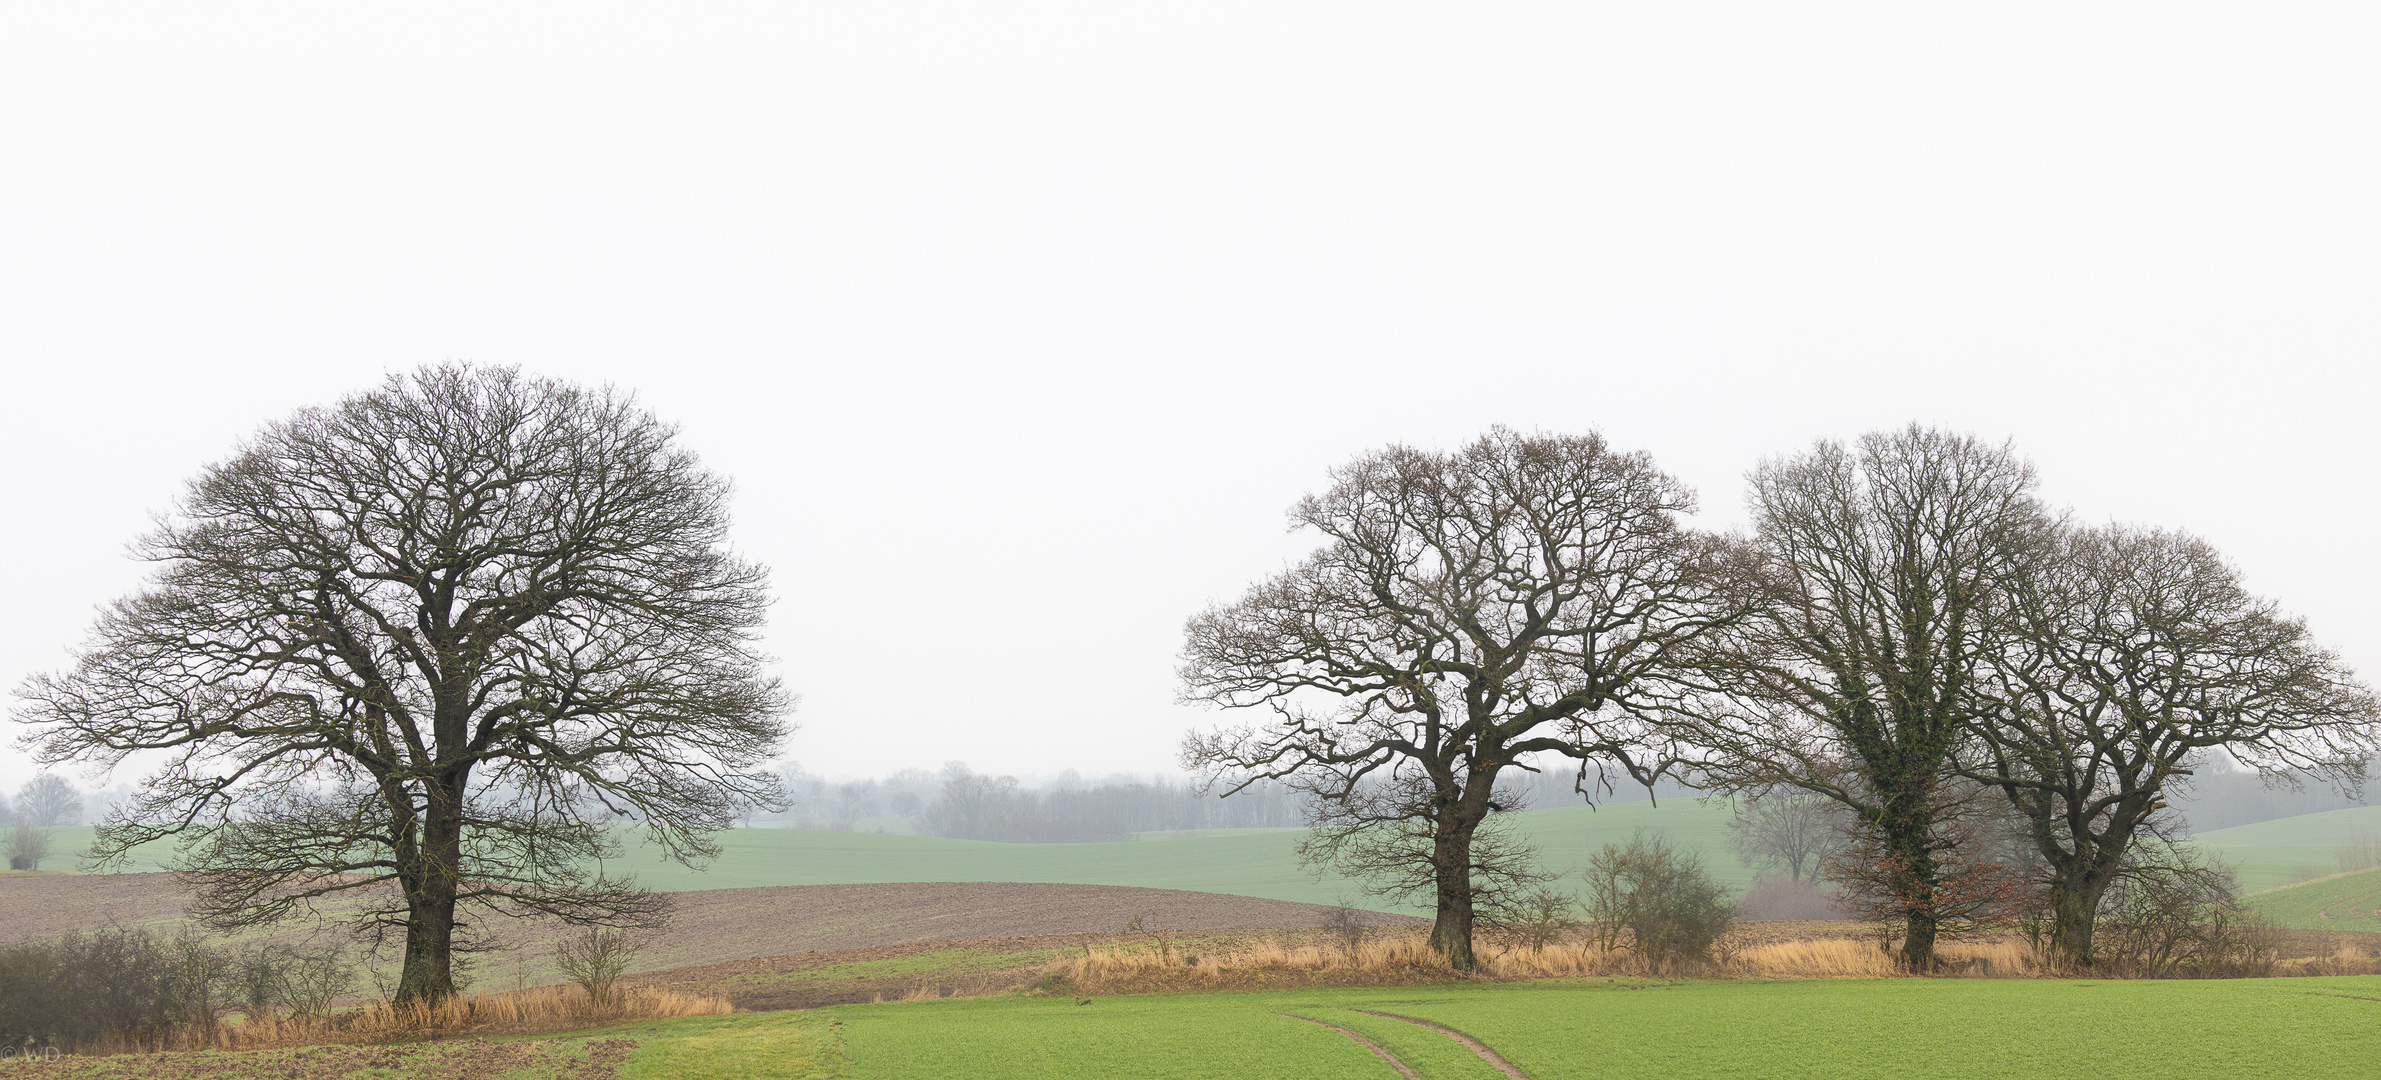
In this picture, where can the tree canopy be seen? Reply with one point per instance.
(420, 649)
(1523, 595)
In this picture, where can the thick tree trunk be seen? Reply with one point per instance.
(1909, 841)
(2073, 915)
(428, 973)
(1451, 857)
(2076, 890)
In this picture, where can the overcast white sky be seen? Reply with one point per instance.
(1019, 326)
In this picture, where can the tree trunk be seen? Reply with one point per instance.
(1451, 931)
(2073, 915)
(2076, 890)
(428, 974)
(1909, 840)
(429, 971)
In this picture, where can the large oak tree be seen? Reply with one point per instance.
(1524, 595)
(1860, 674)
(2129, 658)
(421, 651)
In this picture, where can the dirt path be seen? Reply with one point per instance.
(1494, 1059)
(1377, 1049)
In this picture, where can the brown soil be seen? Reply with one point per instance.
(41, 905)
(717, 926)
(965, 966)
(476, 1059)
(736, 924)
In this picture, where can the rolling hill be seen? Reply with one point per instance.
(2339, 902)
(2270, 854)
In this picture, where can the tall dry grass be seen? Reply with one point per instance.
(534, 1011)
(1395, 959)
(1407, 959)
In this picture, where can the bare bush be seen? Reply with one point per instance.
(2180, 915)
(1658, 897)
(1543, 916)
(26, 846)
(109, 989)
(1347, 924)
(595, 958)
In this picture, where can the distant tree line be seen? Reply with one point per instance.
(963, 804)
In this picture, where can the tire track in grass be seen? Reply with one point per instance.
(1377, 1049)
(1493, 1058)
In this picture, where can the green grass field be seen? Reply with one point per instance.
(2340, 902)
(2270, 854)
(1924, 1029)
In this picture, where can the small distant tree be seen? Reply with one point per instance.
(48, 800)
(1347, 923)
(1787, 829)
(1658, 896)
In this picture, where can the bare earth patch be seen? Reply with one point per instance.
(717, 926)
(475, 1059)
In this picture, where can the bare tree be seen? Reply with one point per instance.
(1523, 595)
(48, 800)
(1858, 677)
(1787, 829)
(1660, 896)
(2131, 657)
(595, 958)
(418, 650)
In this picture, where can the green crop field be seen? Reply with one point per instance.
(2275, 853)
(1915, 1028)
(2340, 902)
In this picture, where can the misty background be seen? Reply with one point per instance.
(1019, 328)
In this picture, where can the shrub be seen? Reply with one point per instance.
(26, 846)
(595, 959)
(1668, 908)
(2180, 915)
(107, 989)
(1541, 916)
(1347, 923)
